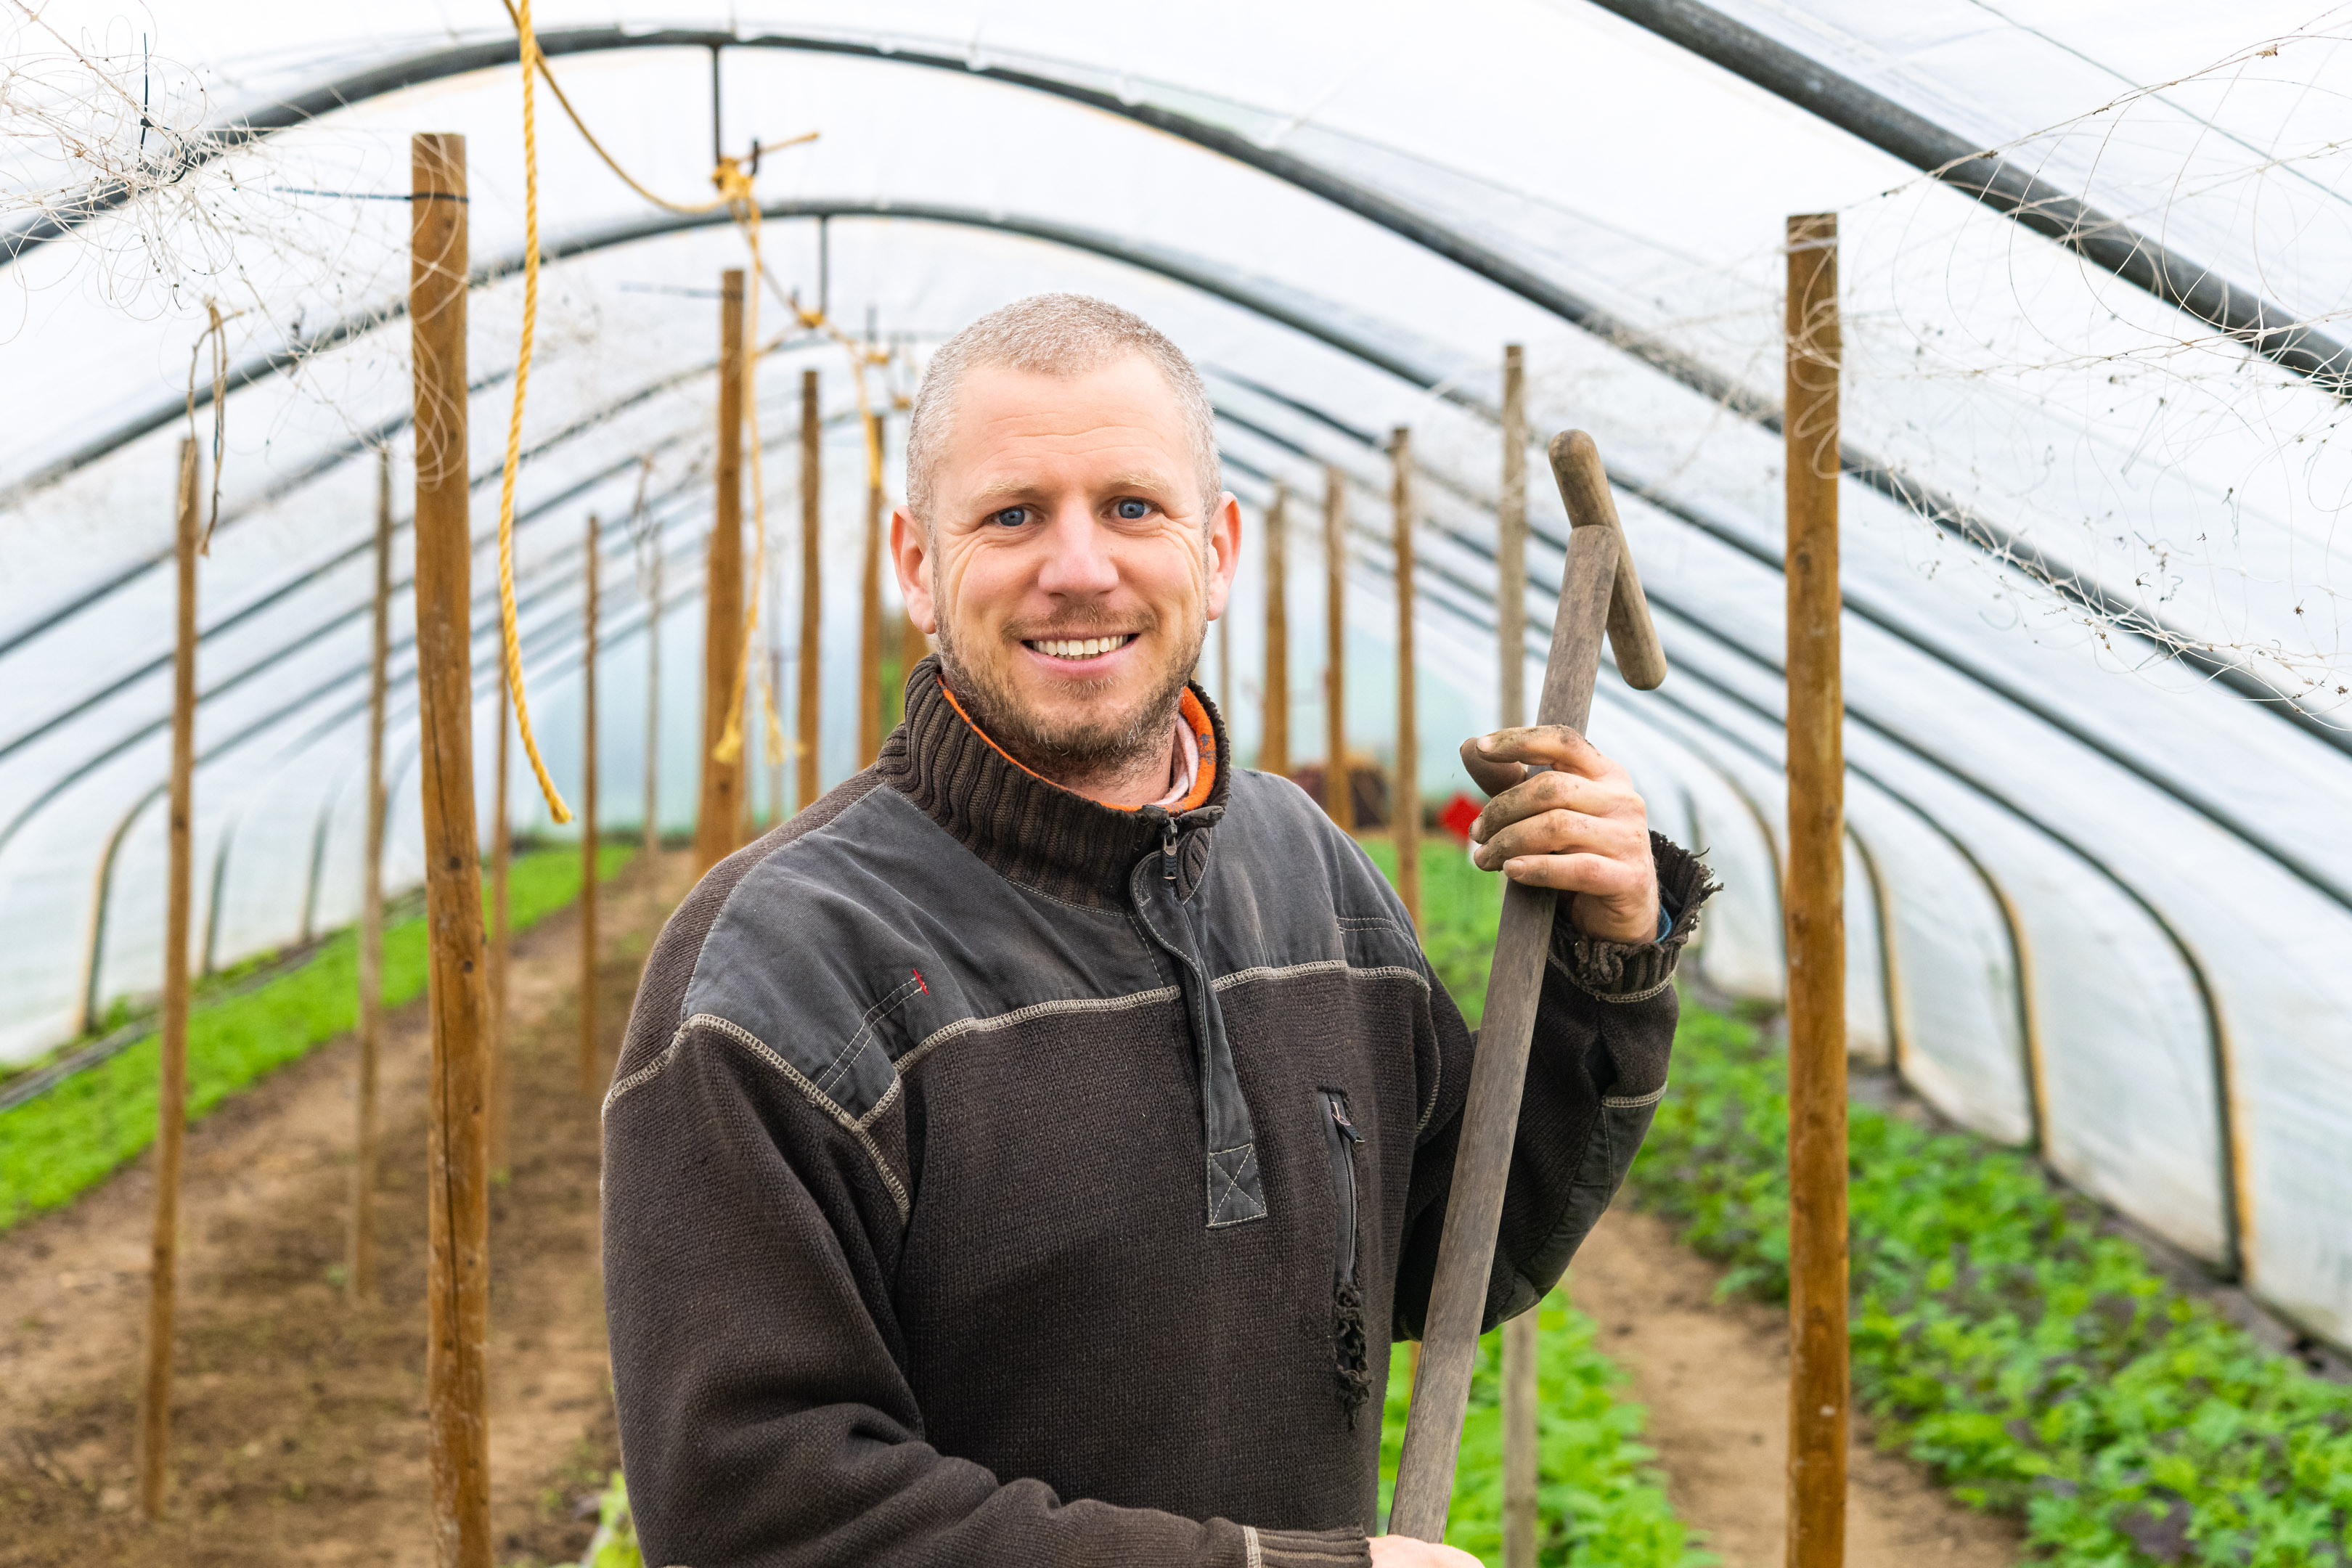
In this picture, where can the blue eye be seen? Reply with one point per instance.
(1010, 517)
(1132, 508)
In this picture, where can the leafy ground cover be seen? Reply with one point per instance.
(2040, 1367)
(54, 1146)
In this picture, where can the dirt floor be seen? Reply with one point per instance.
(298, 1423)
(1715, 1377)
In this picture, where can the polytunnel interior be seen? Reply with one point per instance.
(2096, 901)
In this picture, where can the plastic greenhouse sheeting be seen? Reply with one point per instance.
(2098, 890)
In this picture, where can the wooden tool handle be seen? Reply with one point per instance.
(1598, 588)
(1465, 1250)
(1584, 485)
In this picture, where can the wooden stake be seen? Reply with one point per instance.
(1338, 795)
(1816, 913)
(1511, 554)
(653, 708)
(1406, 826)
(719, 823)
(172, 1094)
(812, 581)
(457, 1282)
(360, 1262)
(869, 641)
(1520, 1347)
(914, 647)
(1225, 664)
(501, 927)
(588, 840)
(1519, 1440)
(1274, 738)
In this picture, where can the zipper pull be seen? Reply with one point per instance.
(1340, 1116)
(1168, 850)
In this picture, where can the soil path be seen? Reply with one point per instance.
(298, 1418)
(1715, 1376)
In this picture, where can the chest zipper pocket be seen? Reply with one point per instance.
(1351, 1363)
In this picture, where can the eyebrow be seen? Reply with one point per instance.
(1135, 479)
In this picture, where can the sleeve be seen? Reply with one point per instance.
(766, 1418)
(1604, 1031)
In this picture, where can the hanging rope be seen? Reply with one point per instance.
(215, 333)
(510, 638)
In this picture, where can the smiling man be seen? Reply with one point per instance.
(1027, 1153)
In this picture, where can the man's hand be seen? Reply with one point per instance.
(1579, 827)
(1405, 1551)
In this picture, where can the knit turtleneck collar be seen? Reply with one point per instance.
(1030, 829)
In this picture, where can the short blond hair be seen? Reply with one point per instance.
(1057, 335)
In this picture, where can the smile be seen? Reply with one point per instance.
(1080, 648)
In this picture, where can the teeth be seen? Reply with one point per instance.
(1076, 647)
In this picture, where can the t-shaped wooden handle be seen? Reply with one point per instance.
(1584, 488)
(1598, 586)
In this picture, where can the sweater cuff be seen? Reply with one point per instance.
(1635, 972)
(1308, 1548)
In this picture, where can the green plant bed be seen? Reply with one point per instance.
(2040, 1367)
(54, 1146)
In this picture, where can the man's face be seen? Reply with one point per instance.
(1067, 573)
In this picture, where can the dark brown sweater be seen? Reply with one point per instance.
(995, 1177)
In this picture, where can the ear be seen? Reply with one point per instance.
(911, 557)
(1224, 552)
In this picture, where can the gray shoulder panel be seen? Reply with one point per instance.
(1286, 890)
(849, 947)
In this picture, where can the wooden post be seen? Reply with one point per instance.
(1816, 913)
(812, 581)
(457, 1282)
(501, 923)
(361, 1263)
(1274, 738)
(1406, 811)
(869, 640)
(719, 823)
(1225, 664)
(914, 648)
(1339, 797)
(1511, 544)
(1521, 1477)
(653, 708)
(171, 1095)
(588, 842)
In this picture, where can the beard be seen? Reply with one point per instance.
(1099, 740)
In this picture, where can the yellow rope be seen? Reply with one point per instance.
(512, 641)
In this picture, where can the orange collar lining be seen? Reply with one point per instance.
(1189, 711)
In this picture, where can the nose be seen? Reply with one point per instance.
(1078, 563)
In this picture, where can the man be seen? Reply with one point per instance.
(1027, 1152)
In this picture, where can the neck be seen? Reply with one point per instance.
(1131, 782)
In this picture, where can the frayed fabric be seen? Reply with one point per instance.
(1354, 1366)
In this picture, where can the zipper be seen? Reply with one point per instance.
(1340, 1141)
(1168, 850)
(1352, 1361)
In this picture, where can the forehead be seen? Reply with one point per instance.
(1121, 412)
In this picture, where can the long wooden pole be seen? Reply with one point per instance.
(652, 707)
(457, 1293)
(1490, 1111)
(719, 823)
(171, 1095)
(588, 838)
(1521, 1477)
(811, 582)
(1339, 797)
(1816, 910)
(501, 924)
(1273, 737)
(360, 1268)
(869, 639)
(1406, 827)
(1511, 549)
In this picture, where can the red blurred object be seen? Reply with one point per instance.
(1459, 814)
